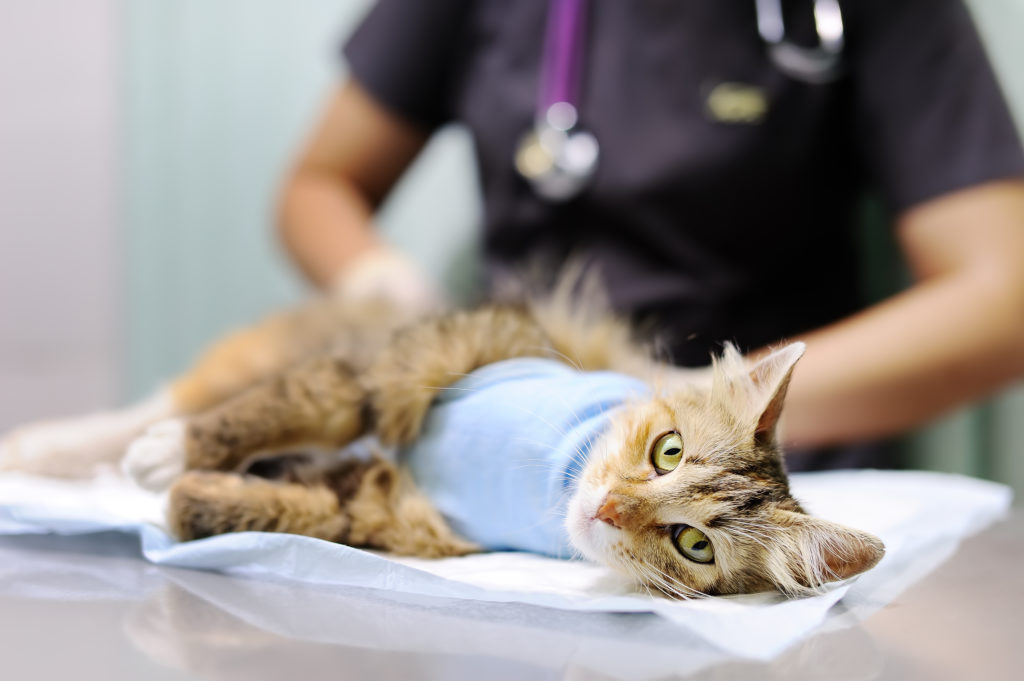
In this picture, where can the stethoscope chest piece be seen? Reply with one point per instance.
(555, 156)
(814, 65)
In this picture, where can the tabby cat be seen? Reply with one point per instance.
(671, 476)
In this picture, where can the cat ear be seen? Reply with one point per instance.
(771, 376)
(817, 551)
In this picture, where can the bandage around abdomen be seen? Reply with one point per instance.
(501, 449)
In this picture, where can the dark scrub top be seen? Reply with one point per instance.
(709, 226)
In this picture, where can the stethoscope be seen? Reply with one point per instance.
(558, 157)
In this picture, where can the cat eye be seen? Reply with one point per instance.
(667, 453)
(693, 544)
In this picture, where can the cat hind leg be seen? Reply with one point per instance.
(359, 503)
(386, 511)
(207, 503)
(76, 447)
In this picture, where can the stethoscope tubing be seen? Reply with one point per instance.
(563, 53)
(558, 157)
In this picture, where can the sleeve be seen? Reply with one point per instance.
(931, 116)
(405, 54)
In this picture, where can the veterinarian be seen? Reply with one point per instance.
(711, 157)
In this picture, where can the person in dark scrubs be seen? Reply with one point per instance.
(724, 205)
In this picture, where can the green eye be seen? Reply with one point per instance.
(667, 453)
(693, 544)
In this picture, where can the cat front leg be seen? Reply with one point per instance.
(318, 403)
(155, 459)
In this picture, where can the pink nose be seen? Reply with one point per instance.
(609, 513)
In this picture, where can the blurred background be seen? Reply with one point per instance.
(141, 146)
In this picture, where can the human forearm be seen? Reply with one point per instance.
(355, 155)
(905, 361)
(327, 228)
(325, 224)
(956, 335)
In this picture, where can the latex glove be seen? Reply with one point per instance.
(383, 274)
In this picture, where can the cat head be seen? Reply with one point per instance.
(688, 493)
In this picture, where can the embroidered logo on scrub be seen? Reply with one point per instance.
(736, 103)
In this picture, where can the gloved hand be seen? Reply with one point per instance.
(386, 275)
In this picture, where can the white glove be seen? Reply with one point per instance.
(385, 275)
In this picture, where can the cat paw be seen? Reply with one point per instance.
(157, 458)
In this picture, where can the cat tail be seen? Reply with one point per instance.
(575, 311)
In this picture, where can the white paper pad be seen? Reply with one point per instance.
(921, 517)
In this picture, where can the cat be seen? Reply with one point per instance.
(677, 480)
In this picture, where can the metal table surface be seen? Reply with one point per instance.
(89, 607)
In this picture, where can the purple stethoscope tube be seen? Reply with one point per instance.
(558, 158)
(563, 52)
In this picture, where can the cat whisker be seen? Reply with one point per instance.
(643, 574)
(542, 464)
(674, 583)
(450, 387)
(588, 437)
(762, 530)
(550, 351)
(648, 575)
(679, 589)
(751, 525)
(576, 554)
(673, 580)
(639, 579)
(752, 532)
(750, 537)
(560, 431)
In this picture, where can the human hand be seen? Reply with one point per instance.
(384, 274)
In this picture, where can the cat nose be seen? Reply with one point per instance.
(609, 513)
